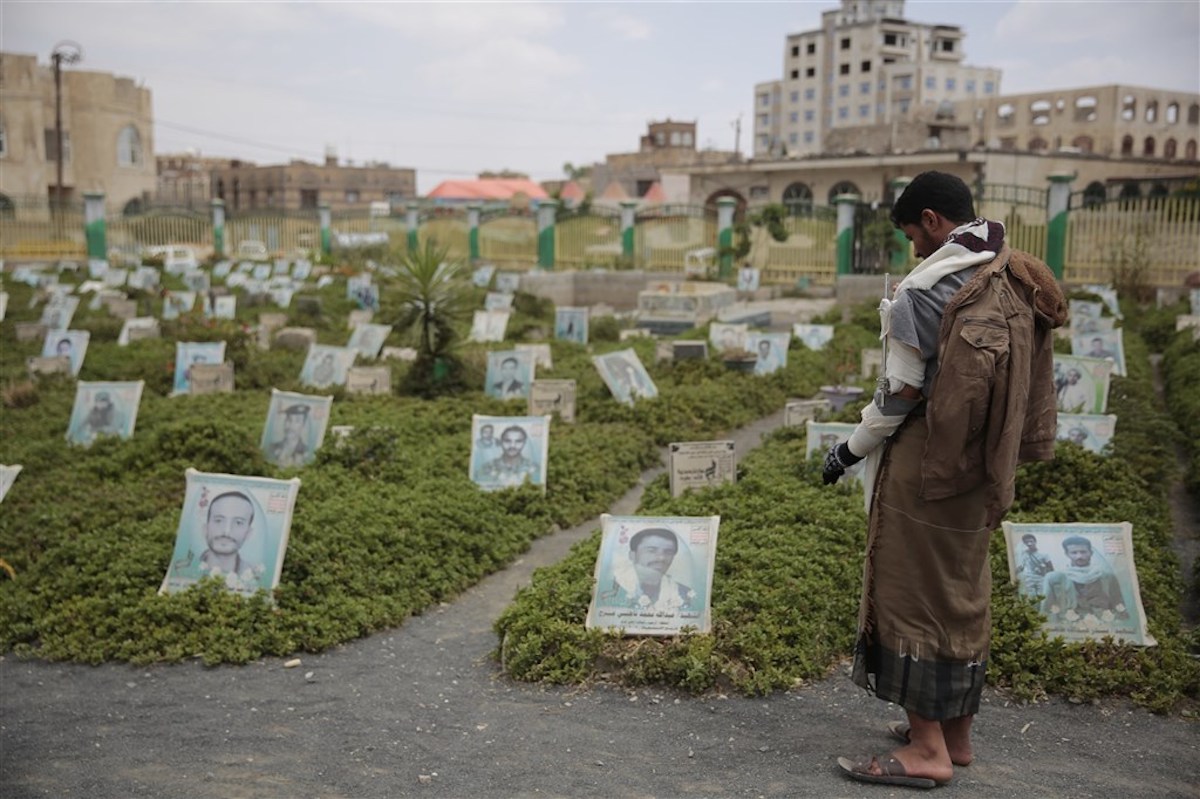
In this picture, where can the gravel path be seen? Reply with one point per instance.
(421, 711)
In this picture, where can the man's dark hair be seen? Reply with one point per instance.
(1029, 536)
(515, 429)
(938, 191)
(509, 359)
(234, 494)
(1076, 541)
(658, 532)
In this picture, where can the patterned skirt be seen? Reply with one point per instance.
(924, 620)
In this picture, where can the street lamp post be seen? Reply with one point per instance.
(65, 52)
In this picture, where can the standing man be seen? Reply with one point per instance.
(1032, 566)
(969, 394)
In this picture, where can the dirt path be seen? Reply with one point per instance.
(421, 711)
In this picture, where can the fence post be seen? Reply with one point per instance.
(846, 203)
(218, 226)
(1058, 200)
(900, 256)
(326, 218)
(412, 221)
(725, 207)
(627, 212)
(95, 231)
(473, 232)
(545, 226)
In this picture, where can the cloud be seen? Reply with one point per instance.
(624, 25)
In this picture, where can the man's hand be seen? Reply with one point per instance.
(837, 461)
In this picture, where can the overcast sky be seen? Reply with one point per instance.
(451, 89)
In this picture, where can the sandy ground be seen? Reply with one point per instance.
(422, 711)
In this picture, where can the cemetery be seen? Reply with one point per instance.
(386, 425)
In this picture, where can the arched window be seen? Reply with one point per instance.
(1039, 112)
(1172, 114)
(1148, 147)
(7, 209)
(798, 198)
(1169, 148)
(1037, 145)
(1094, 195)
(1152, 111)
(1194, 114)
(1130, 190)
(1189, 150)
(3, 140)
(843, 187)
(1129, 108)
(129, 147)
(1085, 109)
(1084, 143)
(133, 207)
(1159, 190)
(1006, 114)
(1127, 145)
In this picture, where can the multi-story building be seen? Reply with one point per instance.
(1117, 121)
(108, 134)
(668, 144)
(303, 185)
(864, 66)
(185, 179)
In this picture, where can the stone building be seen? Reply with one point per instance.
(302, 185)
(108, 134)
(865, 66)
(666, 145)
(185, 179)
(1114, 120)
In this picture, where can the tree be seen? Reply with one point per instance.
(433, 295)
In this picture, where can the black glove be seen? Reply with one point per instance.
(837, 461)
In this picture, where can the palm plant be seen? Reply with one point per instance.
(433, 295)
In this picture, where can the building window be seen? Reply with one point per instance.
(905, 82)
(3, 141)
(904, 106)
(843, 187)
(763, 120)
(889, 40)
(1127, 145)
(843, 112)
(809, 94)
(1085, 109)
(1129, 108)
(795, 73)
(930, 82)
(865, 66)
(795, 50)
(882, 84)
(843, 90)
(798, 199)
(864, 87)
(1172, 114)
(843, 69)
(988, 87)
(811, 49)
(1148, 147)
(950, 84)
(129, 147)
(864, 111)
(1037, 145)
(351, 195)
(1084, 144)
(1189, 150)
(969, 86)
(1194, 114)
(52, 146)
(7, 209)
(1006, 114)
(808, 137)
(947, 46)
(1008, 143)
(674, 138)
(1094, 195)
(846, 43)
(764, 141)
(1152, 111)
(793, 138)
(810, 72)
(764, 99)
(794, 97)
(808, 116)
(793, 117)
(270, 198)
(309, 198)
(1169, 148)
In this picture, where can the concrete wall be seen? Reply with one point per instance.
(616, 289)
